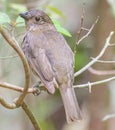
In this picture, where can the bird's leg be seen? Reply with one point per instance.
(39, 86)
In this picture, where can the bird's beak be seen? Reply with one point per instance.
(25, 15)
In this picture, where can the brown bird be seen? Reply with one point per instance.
(51, 59)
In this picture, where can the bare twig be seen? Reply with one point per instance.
(101, 72)
(8, 57)
(31, 116)
(89, 31)
(112, 44)
(94, 83)
(82, 21)
(81, 27)
(89, 85)
(13, 44)
(107, 117)
(103, 61)
(7, 105)
(98, 57)
(85, 29)
(18, 101)
(17, 88)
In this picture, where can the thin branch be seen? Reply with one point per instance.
(85, 29)
(13, 44)
(94, 83)
(82, 21)
(103, 61)
(7, 105)
(101, 72)
(31, 116)
(8, 57)
(107, 117)
(90, 87)
(17, 88)
(81, 27)
(99, 56)
(112, 44)
(89, 32)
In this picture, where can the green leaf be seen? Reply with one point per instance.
(20, 22)
(18, 7)
(4, 18)
(60, 28)
(55, 10)
(63, 31)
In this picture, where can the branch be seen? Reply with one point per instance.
(94, 83)
(81, 28)
(17, 88)
(82, 21)
(7, 57)
(101, 72)
(103, 61)
(19, 101)
(107, 43)
(113, 44)
(31, 116)
(13, 43)
(7, 105)
(89, 31)
(107, 117)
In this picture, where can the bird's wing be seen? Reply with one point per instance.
(43, 64)
(39, 62)
(33, 47)
(42, 67)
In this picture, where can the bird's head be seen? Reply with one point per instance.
(35, 17)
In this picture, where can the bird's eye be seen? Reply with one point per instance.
(26, 13)
(38, 19)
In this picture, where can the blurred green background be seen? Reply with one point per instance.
(48, 109)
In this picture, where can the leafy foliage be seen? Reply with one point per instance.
(20, 22)
(60, 28)
(56, 11)
(4, 18)
(18, 7)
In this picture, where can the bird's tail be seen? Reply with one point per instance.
(70, 102)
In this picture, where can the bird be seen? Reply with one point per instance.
(50, 59)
